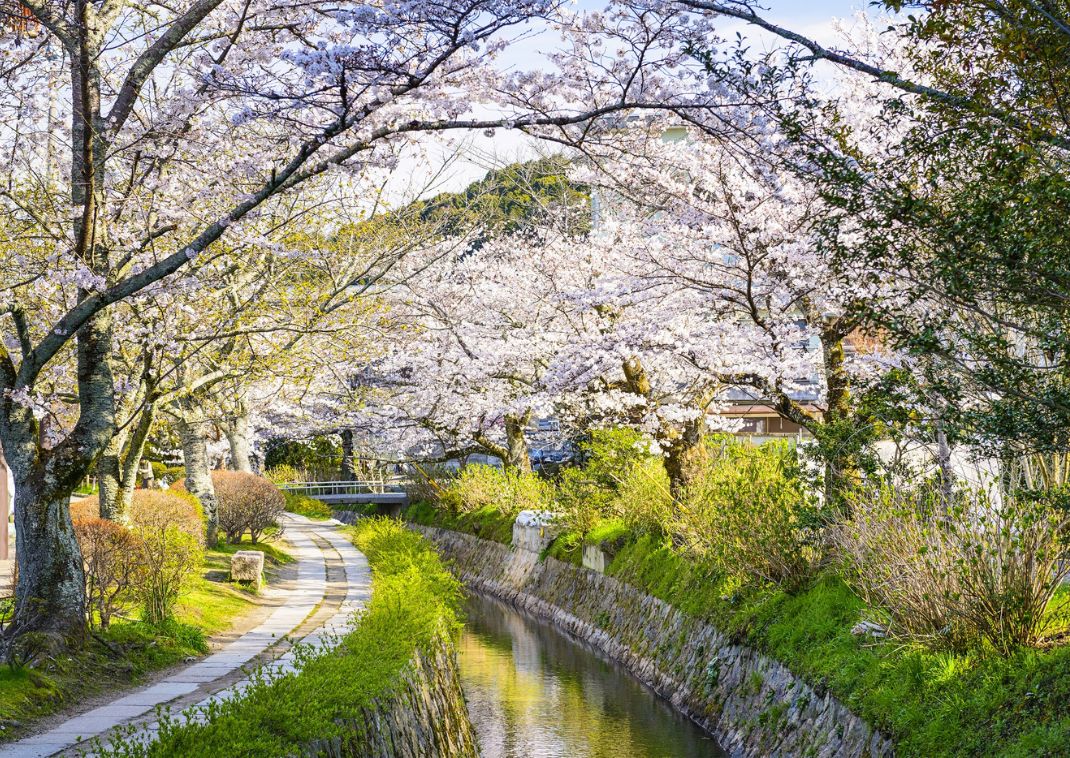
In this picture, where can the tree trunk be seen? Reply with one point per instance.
(517, 456)
(132, 459)
(50, 596)
(109, 480)
(841, 441)
(349, 461)
(239, 434)
(118, 466)
(685, 456)
(194, 433)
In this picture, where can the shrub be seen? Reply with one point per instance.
(306, 506)
(951, 577)
(609, 456)
(619, 479)
(246, 503)
(749, 513)
(644, 502)
(110, 553)
(159, 509)
(283, 474)
(428, 482)
(86, 508)
(479, 487)
(581, 500)
(167, 559)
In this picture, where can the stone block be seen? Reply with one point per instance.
(594, 558)
(247, 566)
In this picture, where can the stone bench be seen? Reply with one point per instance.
(247, 567)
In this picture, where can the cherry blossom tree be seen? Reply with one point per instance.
(715, 281)
(182, 123)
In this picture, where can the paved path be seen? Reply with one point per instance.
(305, 614)
(7, 573)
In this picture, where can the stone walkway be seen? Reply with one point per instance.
(7, 572)
(221, 675)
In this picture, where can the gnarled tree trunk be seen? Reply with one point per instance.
(517, 455)
(685, 456)
(50, 595)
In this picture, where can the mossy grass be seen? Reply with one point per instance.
(414, 600)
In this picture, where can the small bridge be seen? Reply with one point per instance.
(390, 492)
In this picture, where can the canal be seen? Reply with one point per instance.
(534, 692)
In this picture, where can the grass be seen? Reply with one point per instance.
(415, 599)
(931, 703)
(310, 507)
(210, 606)
(488, 522)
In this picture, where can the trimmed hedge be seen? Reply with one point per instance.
(414, 601)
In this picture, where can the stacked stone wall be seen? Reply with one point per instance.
(751, 703)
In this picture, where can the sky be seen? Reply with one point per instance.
(443, 169)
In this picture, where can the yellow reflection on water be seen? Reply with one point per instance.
(532, 692)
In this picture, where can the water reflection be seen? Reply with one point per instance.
(534, 693)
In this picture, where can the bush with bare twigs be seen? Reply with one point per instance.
(246, 503)
(110, 553)
(953, 574)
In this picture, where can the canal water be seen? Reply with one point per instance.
(534, 692)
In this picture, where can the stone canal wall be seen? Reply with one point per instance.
(752, 704)
(423, 716)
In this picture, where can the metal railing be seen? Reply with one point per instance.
(328, 489)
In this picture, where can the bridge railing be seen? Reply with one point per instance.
(321, 489)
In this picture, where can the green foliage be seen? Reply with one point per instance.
(749, 513)
(618, 479)
(304, 505)
(283, 474)
(487, 523)
(644, 502)
(512, 200)
(480, 488)
(317, 458)
(415, 601)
